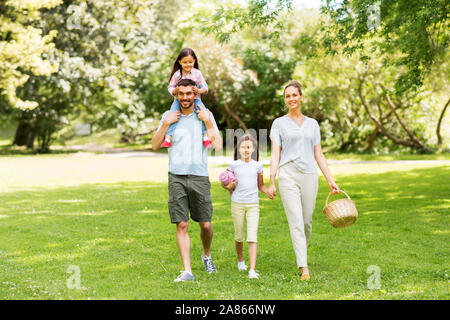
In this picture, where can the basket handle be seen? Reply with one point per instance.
(340, 191)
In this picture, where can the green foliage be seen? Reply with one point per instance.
(410, 34)
(23, 47)
(262, 102)
(103, 48)
(228, 20)
(348, 95)
(110, 61)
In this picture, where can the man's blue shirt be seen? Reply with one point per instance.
(188, 156)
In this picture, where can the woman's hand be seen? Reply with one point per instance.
(272, 191)
(333, 187)
(269, 195)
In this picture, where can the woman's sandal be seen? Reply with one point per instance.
(305, 276)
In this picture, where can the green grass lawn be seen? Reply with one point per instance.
(118, 233)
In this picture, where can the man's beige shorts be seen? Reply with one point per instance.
(241, 211)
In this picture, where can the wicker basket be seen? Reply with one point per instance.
(340, 213)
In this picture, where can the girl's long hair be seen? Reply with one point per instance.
(183, 53)
(247, 137)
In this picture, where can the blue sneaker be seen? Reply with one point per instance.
(209, 264)
(184, 276)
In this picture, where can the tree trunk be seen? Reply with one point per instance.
(371, 139)
(235, 117)
(25, 135)
(414, 142)
(438, 129)
(411, 135)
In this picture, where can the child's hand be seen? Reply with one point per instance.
(172, 117)
(175, 91)
(195, 90)
(231, 186)
(269, 195)
(272, 191)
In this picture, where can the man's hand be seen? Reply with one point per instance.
(203, 114)
(172, 117)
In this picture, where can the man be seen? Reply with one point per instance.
(189, 186)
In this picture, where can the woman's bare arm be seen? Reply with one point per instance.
(323, 165)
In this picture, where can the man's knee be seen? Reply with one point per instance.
(182, 226)
(206, 226)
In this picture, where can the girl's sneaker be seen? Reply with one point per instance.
(206, 142)
(167, 143)
(241, 266)
(253, 275)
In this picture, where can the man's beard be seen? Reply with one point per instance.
(190, 105)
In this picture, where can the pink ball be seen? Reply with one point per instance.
(226, 177)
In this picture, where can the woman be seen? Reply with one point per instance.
(295, 151)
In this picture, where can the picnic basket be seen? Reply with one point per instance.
(340, 213)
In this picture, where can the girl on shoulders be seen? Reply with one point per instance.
(186, 67)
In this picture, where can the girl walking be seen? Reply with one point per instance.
(245, 199)
(186, 67)
(295, 150)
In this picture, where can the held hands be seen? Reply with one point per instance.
(271, 191)
(269, 195)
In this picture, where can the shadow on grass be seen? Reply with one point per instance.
(22, 151)
(121, 238)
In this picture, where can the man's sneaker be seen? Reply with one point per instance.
(241, 266)
(209, 264)
(253, 275)
(184, 276)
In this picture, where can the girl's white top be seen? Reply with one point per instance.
(247, 175)
(297, 143)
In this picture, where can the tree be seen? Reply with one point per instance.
(23, 47)
(102, 49)
(233, 18)
(413, 34)
(354, 99)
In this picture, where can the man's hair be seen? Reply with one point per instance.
(186, 83)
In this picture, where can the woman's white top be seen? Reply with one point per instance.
(297, 143)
